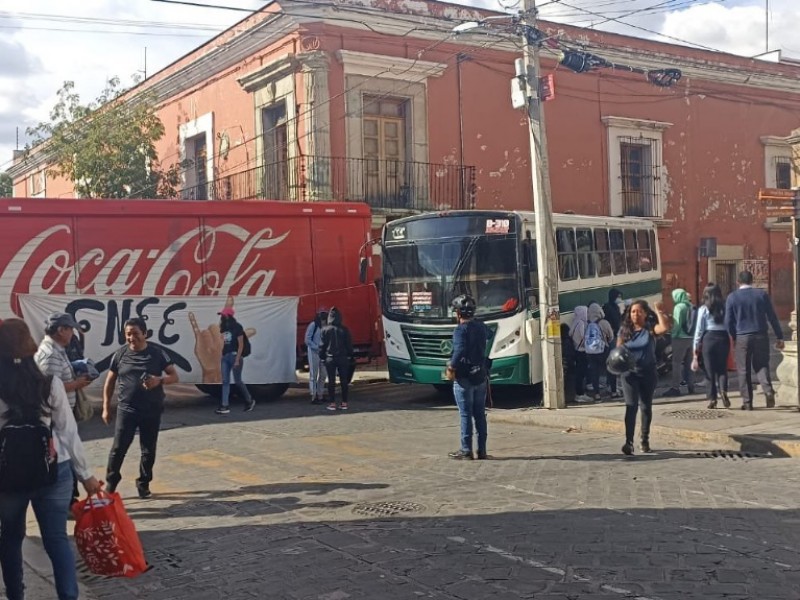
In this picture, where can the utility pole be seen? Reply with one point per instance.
(549, 313)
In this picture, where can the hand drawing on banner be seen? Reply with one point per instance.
(208, 346)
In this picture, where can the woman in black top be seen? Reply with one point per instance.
(638, 385)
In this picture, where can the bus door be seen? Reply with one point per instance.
(530, 278)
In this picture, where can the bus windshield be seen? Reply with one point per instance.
(421, 278)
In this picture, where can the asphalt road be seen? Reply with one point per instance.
(293, 502)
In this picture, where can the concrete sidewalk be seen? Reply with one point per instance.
(39, 583)
(761, 431)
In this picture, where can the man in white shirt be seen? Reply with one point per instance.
(52, 354)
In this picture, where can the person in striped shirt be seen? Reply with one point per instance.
(52, 354)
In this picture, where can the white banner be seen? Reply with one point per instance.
(187, 327)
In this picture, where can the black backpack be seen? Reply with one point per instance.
(28, 458)
(246, 345)
(691, 323)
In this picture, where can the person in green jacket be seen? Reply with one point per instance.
(681, 343)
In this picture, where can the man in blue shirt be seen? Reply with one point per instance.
(468, 367)
(747, 312)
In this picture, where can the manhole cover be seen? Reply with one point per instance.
(728, 454)
(699, 414)
(387, 509)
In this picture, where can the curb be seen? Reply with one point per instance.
(36, 560)
(751, 443)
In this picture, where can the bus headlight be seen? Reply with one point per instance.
(508, 341)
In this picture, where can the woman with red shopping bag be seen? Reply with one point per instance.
(38, 441)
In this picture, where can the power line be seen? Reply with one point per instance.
(650, 31)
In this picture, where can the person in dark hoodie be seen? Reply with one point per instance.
(336, 352)
(613, 310)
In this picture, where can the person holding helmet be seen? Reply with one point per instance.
(468, 368)
(637, 335)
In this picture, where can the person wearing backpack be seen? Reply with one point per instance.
(577, 333)
(469, 369)
(316, 370)
(336, 353)
(597, 341)
(682, 336)
(235, 346)
(35, 413)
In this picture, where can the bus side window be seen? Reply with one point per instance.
(603, 252)
(653, 250)
(586, 257)
(567, 257)
(631, 252)
(645, 250)
(530, 276)
(617, 251)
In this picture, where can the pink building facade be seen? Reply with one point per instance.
(379, 102)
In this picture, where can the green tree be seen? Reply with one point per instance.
(6, 185)
(106, 148)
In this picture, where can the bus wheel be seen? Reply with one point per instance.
(259, 391)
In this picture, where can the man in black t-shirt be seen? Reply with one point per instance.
(139, 372)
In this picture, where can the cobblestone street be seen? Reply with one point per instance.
(293, 502)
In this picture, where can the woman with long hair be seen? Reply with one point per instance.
(232, 360)
(637, 334)
(712, 342)
(28, 396)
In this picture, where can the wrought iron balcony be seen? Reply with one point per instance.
(386, 185)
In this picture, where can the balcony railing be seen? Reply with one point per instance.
(386, 185)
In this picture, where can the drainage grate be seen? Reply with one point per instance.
(86, 575)
(728, 454)
(387, 509)
(698, 414)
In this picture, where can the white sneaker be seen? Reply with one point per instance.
(583, 398)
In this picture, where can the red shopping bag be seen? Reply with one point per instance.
(106, 537)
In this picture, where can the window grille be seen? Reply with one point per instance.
(783, 172)
(640, 174)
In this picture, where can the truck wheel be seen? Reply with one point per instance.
(259, 391)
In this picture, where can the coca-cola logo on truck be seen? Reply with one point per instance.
(45, 264)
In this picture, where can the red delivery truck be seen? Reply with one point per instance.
(176, 263)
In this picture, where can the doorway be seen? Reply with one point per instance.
(725, 275)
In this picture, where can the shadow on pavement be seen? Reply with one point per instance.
(581, 554)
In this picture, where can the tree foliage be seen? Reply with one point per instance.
(6, 185)
(107, 147)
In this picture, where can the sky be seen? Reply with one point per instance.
(46, 42)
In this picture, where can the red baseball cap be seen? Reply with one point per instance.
(227, 311)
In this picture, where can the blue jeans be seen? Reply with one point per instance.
(50, 505)
(227, 366)
(471, 402)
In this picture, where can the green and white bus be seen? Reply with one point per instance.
(429, 259)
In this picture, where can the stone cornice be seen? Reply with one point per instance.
(387, 67)
(275, 69)
(775, 140)
(626, 123)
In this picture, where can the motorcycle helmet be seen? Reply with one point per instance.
(464, 306)
(620, 360)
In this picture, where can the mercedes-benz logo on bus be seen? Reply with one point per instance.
(446, 347)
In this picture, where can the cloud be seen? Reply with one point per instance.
(16, 61)
(735, 26)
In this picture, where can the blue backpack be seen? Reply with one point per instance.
(594, 343)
